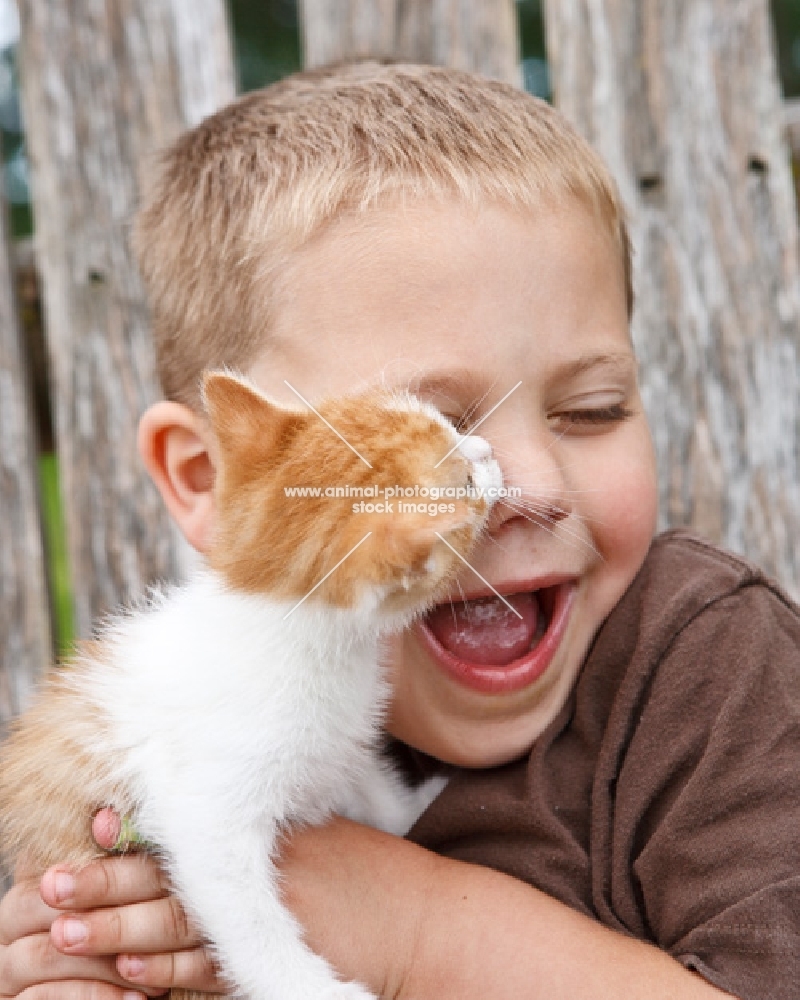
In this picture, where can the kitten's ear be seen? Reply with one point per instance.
(240, 416)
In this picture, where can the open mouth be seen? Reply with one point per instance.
(486, 646)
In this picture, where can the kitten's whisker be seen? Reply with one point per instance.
(463, 598)
(534, 516)
(476, 426)
(539, 500)
(473, 406)
(481, 578)
(546, 523)
(552, 444)
(502, 453)
(545, 507)
(495, 541)
(414, 380)
(540, 523)
(549, 511)
(537, 504)
(544, 491)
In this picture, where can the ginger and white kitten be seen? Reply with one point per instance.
(222, 710)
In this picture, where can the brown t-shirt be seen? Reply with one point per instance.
(664, 800)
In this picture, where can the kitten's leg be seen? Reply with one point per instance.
(229, 883)
(384, 800)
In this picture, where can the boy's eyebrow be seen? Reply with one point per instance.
(622, 363)
(462, 382)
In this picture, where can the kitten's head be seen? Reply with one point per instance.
(367, 501)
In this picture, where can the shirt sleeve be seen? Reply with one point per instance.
(706, 833)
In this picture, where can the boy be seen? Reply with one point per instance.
(624, 797)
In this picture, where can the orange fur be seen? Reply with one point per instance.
(51, 787)
(259, 551)
(51, 783)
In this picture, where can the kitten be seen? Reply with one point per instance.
(253, 697)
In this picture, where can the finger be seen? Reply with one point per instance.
(158, 925)
(77, 989)
(106, 882)
(106, 828)
(22, 912)
(33, 959)
(188, 970)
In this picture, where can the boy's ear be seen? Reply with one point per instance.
(173, 443)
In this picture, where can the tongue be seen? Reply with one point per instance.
(486, 630)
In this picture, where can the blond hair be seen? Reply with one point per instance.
(234, 196)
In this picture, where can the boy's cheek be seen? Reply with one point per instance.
(628, 482)
(633, 513)
(621, 514)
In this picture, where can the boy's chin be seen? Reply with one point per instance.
(470, 744)
(462, 727)
(479, 759)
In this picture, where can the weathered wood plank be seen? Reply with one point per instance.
(25, 637)
(478, 35)
(683, 101)
(103, 86)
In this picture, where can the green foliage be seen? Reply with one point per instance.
(14, 164)
(786, 19)
(266, 40)
(535, 73)
(56, 546)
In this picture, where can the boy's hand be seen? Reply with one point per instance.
(113, 927)
(110, 930)
(31, 965)
(339, 880)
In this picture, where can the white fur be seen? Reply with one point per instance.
(230, 719)
(232, 715)
(474, 448)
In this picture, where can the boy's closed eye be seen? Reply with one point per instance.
(591, 418)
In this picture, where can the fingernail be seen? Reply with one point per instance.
(58, 886)
(130, 966)
(74, 931)
(64, 886)
(130, 995)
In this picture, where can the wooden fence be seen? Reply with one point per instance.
(681, 98)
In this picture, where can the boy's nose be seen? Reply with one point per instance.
(551, 513)
(545, 497)
(535, 510)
